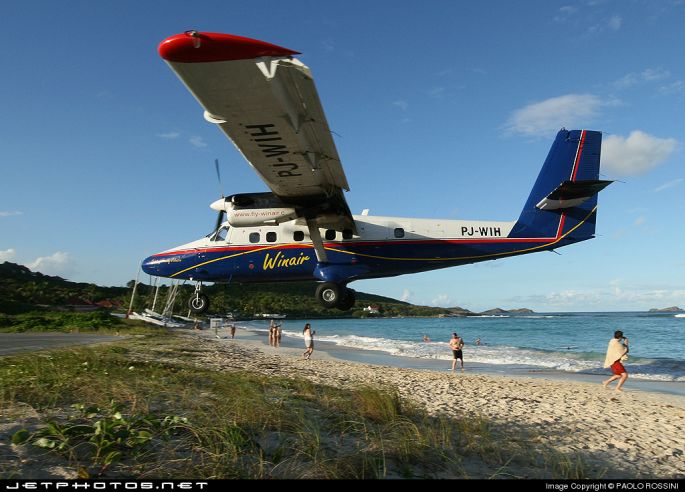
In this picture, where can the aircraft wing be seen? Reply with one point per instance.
(265, 101)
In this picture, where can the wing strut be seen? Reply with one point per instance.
(315, 236)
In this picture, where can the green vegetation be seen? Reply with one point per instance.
(68, 322)
(113, 412)
(22, 291)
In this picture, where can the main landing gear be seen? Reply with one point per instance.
(332, 295)
(198, 302)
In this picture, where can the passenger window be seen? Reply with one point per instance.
(254, 237)
(298, 236)
(271, 237)
(347, 234)
(330, 234)
(399, 232)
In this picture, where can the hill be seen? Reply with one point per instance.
(22, 290)
(672, 309)
(458, 311)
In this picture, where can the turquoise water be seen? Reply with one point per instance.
(570, 342)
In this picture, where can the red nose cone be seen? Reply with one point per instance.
(197, 47)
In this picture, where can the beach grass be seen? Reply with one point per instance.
(168, 417)
(101, 322)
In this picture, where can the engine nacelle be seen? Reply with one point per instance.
(254, 209)
(252, 217)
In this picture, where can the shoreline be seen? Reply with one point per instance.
(609, 434)
(380, 358)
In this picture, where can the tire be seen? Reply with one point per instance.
(348, 301)
(198, 303)
(328, 294)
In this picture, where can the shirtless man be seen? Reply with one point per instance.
(456, 344)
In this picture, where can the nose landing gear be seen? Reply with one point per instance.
(198, 303)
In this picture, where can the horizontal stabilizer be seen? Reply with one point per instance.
(572, 193)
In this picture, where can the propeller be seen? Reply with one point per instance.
(222, 212)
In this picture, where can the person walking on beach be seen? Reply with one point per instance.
(616, 353)
(308, 341)
(456, 344)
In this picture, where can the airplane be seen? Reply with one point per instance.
(264, 99)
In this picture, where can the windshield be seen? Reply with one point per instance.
(220, 235)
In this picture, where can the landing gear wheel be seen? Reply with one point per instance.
(198, 303)
(329, 294)
(348, 301)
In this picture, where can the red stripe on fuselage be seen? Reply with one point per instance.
(352, 244)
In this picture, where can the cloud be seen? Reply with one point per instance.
(197, 142)
(58, 263)
(647, 75)
(169, 135)
(7, 255)
(441, 300)
(436, 92)
(403, 105)
(677, 87)
(615, 22)
(638, 153)
(406, 295)
(546, 117)
(328, 45)
(9, 213)
(670, 184)
(565, 12)
(613, 295)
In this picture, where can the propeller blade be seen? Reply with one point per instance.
(219, 220)
(218, 177)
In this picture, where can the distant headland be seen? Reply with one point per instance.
(459, 312)
(672, 309)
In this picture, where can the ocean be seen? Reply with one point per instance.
(566, 342)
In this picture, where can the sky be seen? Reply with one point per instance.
(439, 109)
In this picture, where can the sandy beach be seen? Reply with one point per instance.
(625, 434)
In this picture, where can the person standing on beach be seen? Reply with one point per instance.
(308, 341)
(456, 344)
(616, 353)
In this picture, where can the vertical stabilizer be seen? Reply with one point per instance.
(563, 201)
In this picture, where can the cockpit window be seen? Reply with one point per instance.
(220, 234)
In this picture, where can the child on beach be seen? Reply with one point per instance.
(308, 341)
(616, 353)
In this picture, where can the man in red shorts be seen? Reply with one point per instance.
(616, 352)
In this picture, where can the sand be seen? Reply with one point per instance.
(625, 434)
(630, 434)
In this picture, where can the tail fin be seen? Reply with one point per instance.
(563, 201)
